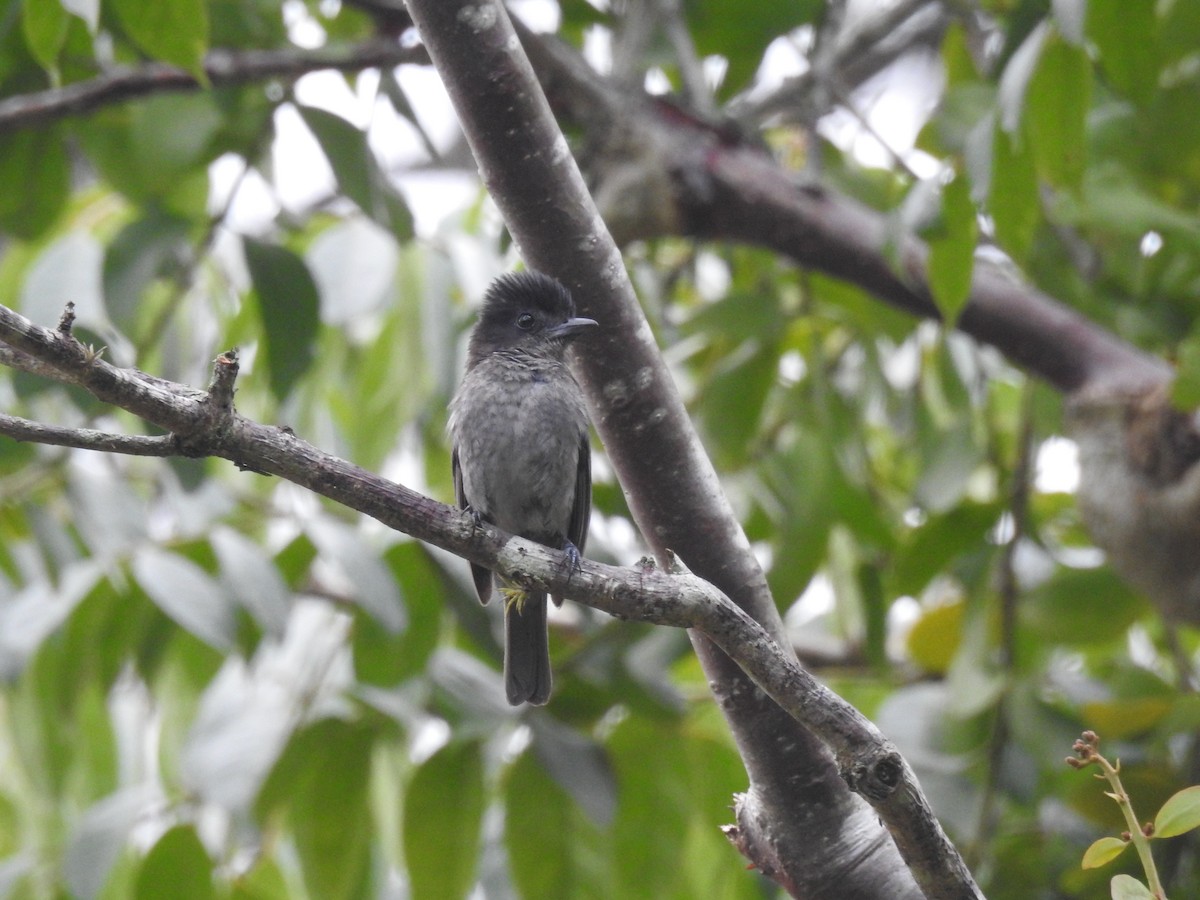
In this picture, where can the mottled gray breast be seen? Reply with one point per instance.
(518, 428)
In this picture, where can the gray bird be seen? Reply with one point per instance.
(521, 456)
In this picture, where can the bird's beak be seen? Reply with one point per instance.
(572, 328)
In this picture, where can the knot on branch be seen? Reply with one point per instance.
(217, 413)
(875, 774)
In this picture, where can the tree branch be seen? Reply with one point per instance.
(223, 68)
(206, 424)
(87, 439)
(667, 171)
(673, 491)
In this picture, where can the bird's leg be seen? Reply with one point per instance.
(476, 516)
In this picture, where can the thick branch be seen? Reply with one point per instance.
(208, 425)
(673, 173)
(672, 488)
(223, 68)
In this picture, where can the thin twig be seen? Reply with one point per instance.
(87, 438)
(223, 68)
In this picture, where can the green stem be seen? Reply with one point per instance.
(1136, 836)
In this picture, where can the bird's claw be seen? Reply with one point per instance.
(573, 561)
(512, 596)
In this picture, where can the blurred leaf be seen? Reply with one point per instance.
(176, 868)
(35, 180)
(952, 250)
(1080, 606)
(934, 638)
(1015, 80)
(372, 585)
(249, 577)
(654, 798)
(1126, 717)
(144, 250)
(331, 816)
(581, 766)
(98, 837)
(542, 831)
(175, 31)
(1013, 198)
(1125, 35)
(1056, 108)
(1180, 814)
(741, 33)
(732, 402)
(381, 655)
(44, 23)
(156, 149)
(354, 265)
(443, 819)
(187, 594)
(1103, 851)
(265, 881)
(1126, 887)
(358, 171)
(87, 10)
(288, 303)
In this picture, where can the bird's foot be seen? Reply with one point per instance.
(513, 596)
(573, 561)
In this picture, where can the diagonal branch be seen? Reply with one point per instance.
(206, 424)
(223, 68)
(668, 172)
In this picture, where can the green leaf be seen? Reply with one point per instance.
(1013, 196)
(1081, 606)
(383, 657)
(1103, 851)
(157, 150)
(288, 306)
(1126, 887)
(930, 549)
(44, 23)
(655, 799)
(732, 402)
(952, 250)
(331, 814)
(358, 172)
(443, 817)
(35, 180)
(322, 779)
(175, 31)
(1125, 36)
(176, 868)
(142, 251)
(1056, 108)
(1016, 77)
(541, 832)
(1179, 814)
(741, 32)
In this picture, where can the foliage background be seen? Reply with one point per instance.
(219, 683)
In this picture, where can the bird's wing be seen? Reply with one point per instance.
(481, 576)
(581, 511)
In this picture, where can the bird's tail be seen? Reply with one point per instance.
(526, 650)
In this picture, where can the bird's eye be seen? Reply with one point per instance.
(525, 321)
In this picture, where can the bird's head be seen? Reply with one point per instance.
(526, 311)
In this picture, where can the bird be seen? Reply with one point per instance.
(521, 457)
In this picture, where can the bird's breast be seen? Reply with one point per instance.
(518, 430)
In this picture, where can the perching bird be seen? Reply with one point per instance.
(521, 456)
